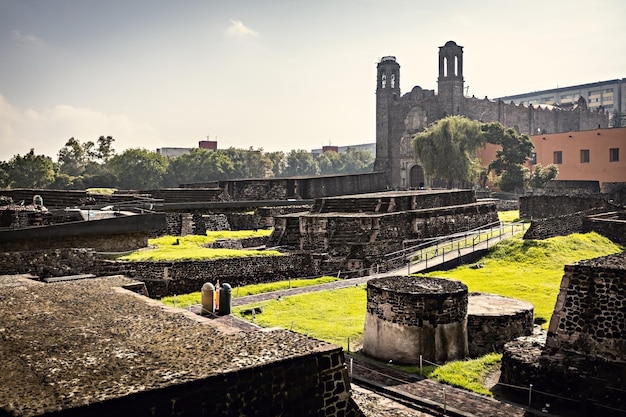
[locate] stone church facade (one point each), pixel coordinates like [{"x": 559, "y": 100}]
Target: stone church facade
[{"x": 399, "y": 117}]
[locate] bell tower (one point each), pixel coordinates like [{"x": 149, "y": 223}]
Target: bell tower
[
  {"x": 450, "y": 81},
  {"x": 387, "y": 95}
]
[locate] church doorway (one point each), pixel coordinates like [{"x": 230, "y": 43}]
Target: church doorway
[{"x": 416, "y": 177}]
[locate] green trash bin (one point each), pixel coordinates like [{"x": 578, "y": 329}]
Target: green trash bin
[{"x": 226, "y": 299}]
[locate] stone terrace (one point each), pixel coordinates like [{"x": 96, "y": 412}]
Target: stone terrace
[{"x": 91, "y": 347}]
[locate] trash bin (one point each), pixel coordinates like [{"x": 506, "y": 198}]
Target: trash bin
[
  {"x": 208, "y": 298},
  {"x": 225, "y": 299}
]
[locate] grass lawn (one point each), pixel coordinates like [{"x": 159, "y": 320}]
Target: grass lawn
[
  {"x": 527, "y": 270},
  {"x": 192, "y": 247},
  {"x": 185, "y": 300}
]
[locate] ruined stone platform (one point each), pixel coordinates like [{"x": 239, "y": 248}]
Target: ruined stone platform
[
  {"x": 91, "y": 347},
  {"x": 493, "y": 320}
]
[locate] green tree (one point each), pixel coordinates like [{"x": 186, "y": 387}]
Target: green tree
[
  {"x": 279, "y": 162},
  {"x": 30, "y": 171},
  {"x": 447, "y": 149},
  {"x": 197, "y": 165},
  {"x": 74, "y": 157},
  {"x": 248, "y": 163},
  {"x": 540, "y": 177},
  {"x": 138, "y": 169},
  {"x": 105, "y": 150},
  {"x": 516, "y": 150},
  {"x": 329, "y": 162},
  {"x": 356, "y": 162},
  {"x": 300, "y": 162}
]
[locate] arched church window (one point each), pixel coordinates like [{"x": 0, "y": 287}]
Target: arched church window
[
  {"x": 384, "y": 81},
  {"x": 393, "y": 80}
]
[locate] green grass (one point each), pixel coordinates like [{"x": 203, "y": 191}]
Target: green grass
[
  {"x": 185, "y": 300},
  {"x": 530, "y": 270},
  {"x": 509, "y": 216},
  {"x": 468, "y": 374},
  {"x": 191, "y": 247},
  {"x": 527, "y": 270},
  {"x": 333, "y": 316}
]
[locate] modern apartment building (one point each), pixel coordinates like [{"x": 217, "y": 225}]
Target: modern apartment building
[{"x": 610, "y": 95}]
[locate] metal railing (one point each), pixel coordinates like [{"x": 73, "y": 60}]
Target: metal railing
[{"x": 458, "y": 243}]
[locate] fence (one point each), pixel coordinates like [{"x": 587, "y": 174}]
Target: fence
[{"x": 460, "y": 244}]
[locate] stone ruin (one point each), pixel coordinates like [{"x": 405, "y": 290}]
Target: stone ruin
[
  {"x": 355, "y": 234},
  {"x": 411, "y": 318},
  {"x": 95, "y": 347},
  {"x": 581, "y": 364}
]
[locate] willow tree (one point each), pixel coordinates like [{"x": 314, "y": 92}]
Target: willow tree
[{"x": 448, "y": 148}]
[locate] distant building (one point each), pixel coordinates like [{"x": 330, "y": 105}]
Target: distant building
[
  {"x": 585, "y": 155},
  {"x": 172, "y": 152},
  {"x": 210, "y": 145},
  {"x": 609, "y": 95},
  {"x": 364, "y": 147}
]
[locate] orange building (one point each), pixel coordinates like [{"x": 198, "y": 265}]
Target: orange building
[{"x": 598, "y": 154}]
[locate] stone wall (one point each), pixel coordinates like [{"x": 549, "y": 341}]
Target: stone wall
[
  {"x": 313, "y": 385},
  {"x": 411, "y": 316},
  {"x": 183, "y": 277},
  {"x": 493, "y": 321},
  {"x": 610, "y": 225},
  {"x": 48, "y": 263},
  {"x": 583, "y": 357},
  {"x": 589, "y": 316},
  {"x": 545, "y": 206},
  {"x": 544, "y": 228}
]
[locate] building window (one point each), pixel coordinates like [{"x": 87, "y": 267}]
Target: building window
[
  {"x": 613, "y": 154},
  {"x": 558, "y": 157},
  {"x": 584, "y": 156}
]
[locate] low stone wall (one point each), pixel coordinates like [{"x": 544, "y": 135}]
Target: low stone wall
[
  {"x": 572, "y": 384},
  {"x": 183, "y": 277},
  {"x": 609, "y": 225},
  {"x": 564, "y": 225},
  {"x": 548, "y": 206},
  {"x": 493, "y": 321},
  {"x": 48, "y": 263}
]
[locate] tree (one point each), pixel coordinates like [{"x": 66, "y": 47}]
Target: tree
[
  {"x": 447, "y": 149},
  {"x": 248, "y": 163},
  {"x": 30, "y": 171},
  {"x": 74, "y": 157},
  {"x": 542, "y": 175},
  {"x": 356, "y": 161},
  {"x": 138, "y": 169},
  {"x": 197, "y": 165},
  {"x": 516, "y": 150},
  {"x": 329, "y": 162},
  {"x": 300, "y": 162},
  {"x": 279, "y": 162}
]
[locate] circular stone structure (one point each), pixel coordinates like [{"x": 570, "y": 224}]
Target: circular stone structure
[
  {"x": 493, "y": 320},
  {"x": 412, "y": 316}
]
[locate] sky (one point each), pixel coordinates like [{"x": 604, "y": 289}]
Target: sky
[{"x": 275, "y": 75}]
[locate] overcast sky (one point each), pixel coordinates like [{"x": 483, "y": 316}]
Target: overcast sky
[{"x": 272, "y": 74}]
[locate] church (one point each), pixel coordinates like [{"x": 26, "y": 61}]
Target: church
[{"x": 399, "y": 117}]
